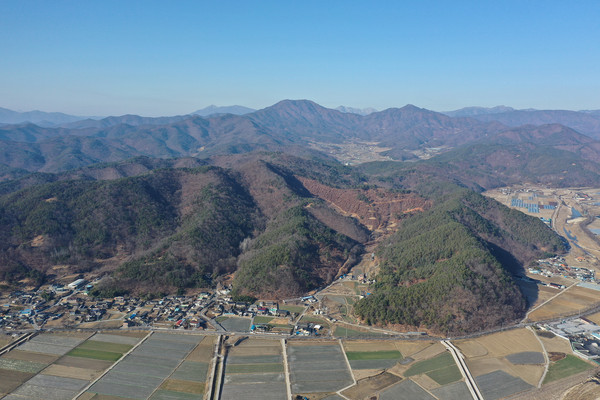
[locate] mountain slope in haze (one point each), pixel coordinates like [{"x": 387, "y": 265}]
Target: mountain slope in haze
[
  {"x": 354, "y": 110},
  {"x": 212, "y": 109},
  {"x": 474, "y": 111},
  {"x": 289, "y": 125},
  {"x": 582, "y": 122},
  {"x": 40, "y": 118}
]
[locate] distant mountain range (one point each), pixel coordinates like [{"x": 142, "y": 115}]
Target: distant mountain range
[
  {"x": 297, "y": 126},
  {"x": 359, "y": 111},
  {"x": 212, "y": 110},
  {"x": 40, "y": 118}
]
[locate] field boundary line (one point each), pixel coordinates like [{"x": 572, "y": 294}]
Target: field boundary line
[
  {"x": 288, "y": 384},
  {"x": 112, "y": 366},
  {"x": 549, "y": 300},
  {"x": 177, "y": 366},
  {"x": 339, "y": 392},
  {"x": 547, "y": 360}
]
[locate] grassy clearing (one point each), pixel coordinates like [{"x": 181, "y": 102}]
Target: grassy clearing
[
  {"x": 373, "y": 355},
  {"x": 316, "y": 320},
  {"x": 570, "y": 365},
  {"x": 95, "y": 354},
  {"x": 446, "y": 375},
  {"x": 443, "y": 360},
  {"x": 104, "y": 346},
  {"x": 293, "y": 309},
  {"x": 221, "y": 318},
  {"x": 253, "y": 368},
  {"x": 262, "y": 320}
]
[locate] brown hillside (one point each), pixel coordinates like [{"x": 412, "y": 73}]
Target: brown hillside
[{"x": 377, "y": 209}]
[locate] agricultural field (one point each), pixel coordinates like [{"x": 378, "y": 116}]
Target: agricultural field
[
  {"x": 235, "y": 324},
  {"x": 342, "y": 331},
  {"x": 374, "y": 356},
  {"x": 317, "y": 367},
  {"x": 25, "y": 371},
  {"x": 504, "y": 363},
  {"x": 567, "y": 366},
  {"x": 41, "y": 368},
  {"x": 163, "y": 366},
  {"x": 569, "y": 302},
  {"x": 254, "y": 369}
]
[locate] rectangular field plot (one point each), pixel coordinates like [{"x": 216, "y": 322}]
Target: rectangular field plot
[
  {"x": 236, "y": 324},
  {"x": 406, "y": 390},
  {"x": 570, "y": 365},
  {"x": 318, "y": 368},
  {"x": 156, "y": 367},
  {"x": 499, "y": 384},
  {"x": 254, "y": 370},
  {"x": 380, "y": 359}
]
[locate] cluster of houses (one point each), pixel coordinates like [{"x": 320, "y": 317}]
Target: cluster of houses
[{"x": 557, "y": 266}]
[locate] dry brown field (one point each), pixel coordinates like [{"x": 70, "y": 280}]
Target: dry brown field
[
  {"x": 368, "y": 386},
  {"x": 105, "y": 324},
  {"x": 428, "y": 352},
  {"x": 408, "y": 349},
  {"x": 257, "y": 351},
  {"x": 177, "y": 385},
  {"x": 486, "y": 354},
  {"x": 203, "y": 351},
  {"x": 569, "y": 302},
  {"x": 72, "y": 372},
  {"x": 31, "y": 356},
  {"x": 10, "y": 380},
  {"x": 504, "y": 343},
  {"x": 595, "y": 318},
  {"x": 557, "y": 344}
]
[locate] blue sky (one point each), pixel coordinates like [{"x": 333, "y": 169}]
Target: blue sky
[{"x": 166, "y": 58}]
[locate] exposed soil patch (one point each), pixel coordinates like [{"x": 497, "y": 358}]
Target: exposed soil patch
[{"x": 377, "y": 209}]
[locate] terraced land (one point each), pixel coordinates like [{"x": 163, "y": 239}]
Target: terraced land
[
  {"x": 254, "y": 369},
  {"x": 164, "y": 366},
  {"x": 317, "y": 367}
]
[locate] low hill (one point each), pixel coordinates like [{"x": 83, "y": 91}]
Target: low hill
[{"x": 448, "y": 269}]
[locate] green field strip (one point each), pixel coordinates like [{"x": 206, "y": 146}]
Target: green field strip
[
  {"x": 221, "y": 318},
  {"x": 105, "y": 346},
  {"x": 94, "y": 354},
  {"x": 373, "y": 355},
  {"x": 252, "y": 368},
  {"x": 446, "y": 375},
  {"x": 443, "y": 360},
  {"x": 262, "y": 320},
  {"x": 21, "y": 366},
  {"x": 570, "y": 365},
  {"x": 293, "y": 309}
]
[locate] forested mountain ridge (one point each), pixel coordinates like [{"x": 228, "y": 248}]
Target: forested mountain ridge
[{"x": 448, "y": 269}]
